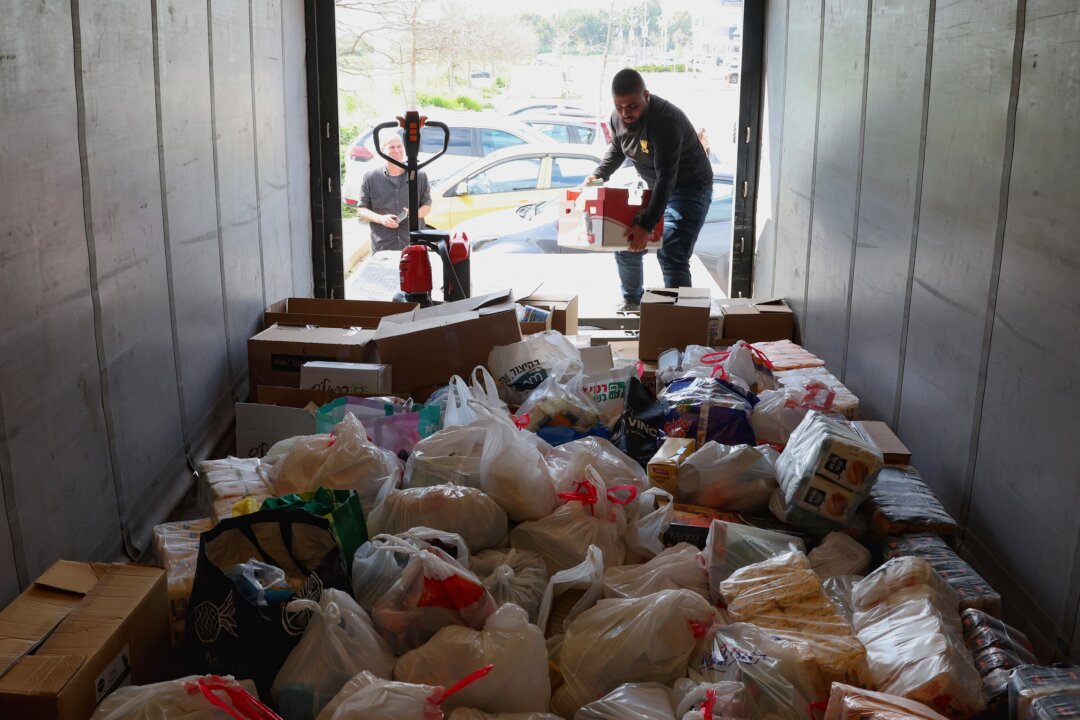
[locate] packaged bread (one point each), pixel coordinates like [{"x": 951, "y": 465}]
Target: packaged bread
[
  {"x": 786, "y": 355},
  {"x": 851, "y": 703},
  {"x": 971, "y": 589},
  {"x": 906, "y": 617},
  {"x": 1030, "y": 683},
  {"x": 901, "y": 503},
  {"x": 217, "y": 481}
]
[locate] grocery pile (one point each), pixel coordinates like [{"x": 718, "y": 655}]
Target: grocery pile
[{"x": 552, "y": 539}]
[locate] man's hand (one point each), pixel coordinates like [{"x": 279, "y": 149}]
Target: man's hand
[
  {"x": 592, "y": 180},
  {"x": 389, "y": 221},
  {"x": 637, "y": 236}
]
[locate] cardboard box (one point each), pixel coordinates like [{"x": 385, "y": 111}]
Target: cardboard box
[
  {"x": 76, "y": 634},
  {"x": 597, "y": 359},
  {"x": 756, "y": 320},
  {"x": 881, "y": 435},
  {"x": 276, "y": 355},
  {"x": 427, "y": 346},
  {"x": 533, "y": 327},
  {"x": 328, "y": 312},
  {"x": 673, "y": 318},
  {"x": 625, "y": 352},
  {"x": 564, "y": 310},
  {"x": 259, "y": 426},
  {"x": 691, "y": 524},
  {"x": 598, "y": 218},
  {"x": 663, "y": 468},
  {"x": 346, "y": 378}
]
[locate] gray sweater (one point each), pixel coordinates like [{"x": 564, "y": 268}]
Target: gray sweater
[{"x": 665, "y": 151}]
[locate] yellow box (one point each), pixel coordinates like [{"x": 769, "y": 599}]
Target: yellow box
[{"x": 664, "y": 466}]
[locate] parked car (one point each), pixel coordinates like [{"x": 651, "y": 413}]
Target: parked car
[
  {"x": 505, "y": 179},
  {"x": 472, "y": 135},
  {"x": 533, "y": 227},
  {"x": 570, "y": 129},
  {"x": 544, "y": 106}
]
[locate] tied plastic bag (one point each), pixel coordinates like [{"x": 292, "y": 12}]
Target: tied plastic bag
[
  {"x": 640, "y": 430},
  {"x": 735, "y": 478},
  {"x": 378, "y": 563},
  {"x": 649, "y": 516},
  {"x": 473, "y": 714},
  {"x": 852, "y": 703},
  {"x": 632, "y": 701},
  {"x": 519, "y": 681},
  {"x": 344, "y": 461},
  {"x": 777, "y": 679},
  {"x": 197, "y": 697},
  {"x": 514, "y": 576},
  {"x": 645, "y": 639},
  {"x": 462, "y": 510},
  {"x": 522, "y": 366},
  {"x": 592, "y": 515},
  {"x": 432, "y": 592},
  {"x": 709, "y": 701},
  {"x": 461, "y": 398},
  {"x": 367, "y": 697},
  {"x": 608, "y": 389},
  {"x": 513, "y": 471},
  {"x": 571, "y": 592},
  {"x": 676, "y": 568},
  {"x": 450, "y": 456},
  {"x": 781, "y": 410},
  {"x": 730, "y": 546},
  {"x": 569, "y": 460},
  {"x": 906, "y": 617},
  {"x": 709, "y": 409},
  {"x": 839, "y": 554},
  {"x": 742, "y": 361},
  {"x": 560, "y": 401},
  {"x": 339, "y": 642}
]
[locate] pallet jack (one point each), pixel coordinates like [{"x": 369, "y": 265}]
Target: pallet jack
[{"x": 453, "y": 250}]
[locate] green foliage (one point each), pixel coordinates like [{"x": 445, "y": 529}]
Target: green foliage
[
  {"x": 349, "y": 102},
  {"x": 396, "y": 89},
  {"x": 677, "y": 67},
  {"x": 500, "y": 82},
  {"x": 461, "y": 102},
  {"x": 467, "y": 103},
  {"x": 348, "y": 212},
  {"x": 346, "y": 134}
]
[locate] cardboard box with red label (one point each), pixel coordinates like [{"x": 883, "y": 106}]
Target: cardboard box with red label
[{"x": 598, "y": 218}]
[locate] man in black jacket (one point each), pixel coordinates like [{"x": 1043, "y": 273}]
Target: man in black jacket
[{"x": 664, "y": 147}]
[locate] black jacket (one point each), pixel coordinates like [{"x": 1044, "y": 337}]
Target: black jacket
[{"x": 666, "y": 152}]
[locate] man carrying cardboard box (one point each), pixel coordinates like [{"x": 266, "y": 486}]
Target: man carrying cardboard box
[{"x": 663, "y": 145}]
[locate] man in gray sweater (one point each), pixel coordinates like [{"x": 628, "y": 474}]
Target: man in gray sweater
[{"x": 664, "y": 147}]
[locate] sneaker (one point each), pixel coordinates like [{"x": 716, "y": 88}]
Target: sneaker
[{"x": 629, "y": 307}]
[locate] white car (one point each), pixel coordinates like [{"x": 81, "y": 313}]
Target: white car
[
  {"x": 571, "y": 129},
  {"x": 472, "y": 135}
]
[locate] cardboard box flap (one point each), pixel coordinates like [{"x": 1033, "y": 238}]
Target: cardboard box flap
[
  {"x": 42, "y": 675},
  {"x": 393, "y": 329},
  {"x": 492, "y": 302},
  {"x": 772, "y": 305},
  {"x": 68, "y": 576},
  {"x": 314, "y": 335},
  {"x": 686, "y": 297}
]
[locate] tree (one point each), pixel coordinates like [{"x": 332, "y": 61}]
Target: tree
[{"x": 680, "y": 30}]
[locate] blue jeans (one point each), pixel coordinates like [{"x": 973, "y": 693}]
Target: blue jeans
[{"x": 683, "y": 218}]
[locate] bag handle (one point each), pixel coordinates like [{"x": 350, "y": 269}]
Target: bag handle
[
  {"x": 466, "y": 682},
  {"x": 590, "y": 497},
  {"x": 244, "y": 705},
  {"x": 709, "y": 705}
]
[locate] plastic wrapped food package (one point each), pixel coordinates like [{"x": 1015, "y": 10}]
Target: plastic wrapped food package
[
  {"x": 708, "y": 409},
  {"x": 786, "y": 355},
  {"x": 569, "y": 460},
  {"x": 432, "y": 592},
  {"x": 844, "y": 401},
  {"x": 640, "y": 430},
  {"x": 640, "y": 640},
  {"x": 451, "y": 455},
  {"x": 176, "y": 548},
  {"x": 632, "y": 701},
  {"x": 225, "y": 508},
  {"x": 839, "y": 589},
  {"x": 906, "y": 617},
  {"x": 777, "y": 673},
  {"x": 997, "y": 648},
  {"x": 519, "y": 681},
  {"x": 973, "y": 591},
  {"x": 229, "y": 477},
  {"x": 782, "y": 594},
  {"x": 901, "y": 503},
  {"x": 780, "y": 411},
  {"x": 825, "y": 472},
  {"x": 1030, "y": 683},
  {"x": 571, "y": 592},
  {"x": 344, "y": 461},
  {"x": 338, "y": 642},
  {"x": 852, "y": 703},
  {"x": 731, "y": 546},
  {"x": 473, "y": 714},
  {"x": 735, "y": 478},
  {"x": 463, "y": 510},
  {"x": 592, "y": 515},
  {"x": 513, "y": 470},
  {"x": 515, "y": 576},
  {"x": 1055, "y": 707},
  {"x": 196, "y": 697},
  {"x": 561, "y": 401},
  {"x": 839, "y": 554},
  {"x": 676, "y": 568}
]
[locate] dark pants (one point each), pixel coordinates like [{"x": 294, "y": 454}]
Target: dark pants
[{"x": 683, "y": 218}]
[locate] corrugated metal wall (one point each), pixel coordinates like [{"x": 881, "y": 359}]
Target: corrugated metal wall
[
  {"x": 153, "y": 196},
  {"x": 919, "y": 209}
]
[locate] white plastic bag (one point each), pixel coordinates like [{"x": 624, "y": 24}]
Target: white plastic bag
[
  {"x": 461, "y": 398},
  {"x": 646, "y": 639},
  {"x": 583, "y": 583},
  {"x": 514, "y": 576},
  {"x": 839, "y": 554},
  {"x": 513, "y": 470},
  {"x": 592, "y": 515},
  {"x": 519, "y": 681},
  {"x": 709, "y": 701},
  {"x": 608, "y": 390},
  {"x": 344, "y": 461},
  {"x": 449, "y": 456},
  {"x": 197, "y": 697},
  {"x": 367, "y": 697},
  {"x": 432, "y": 592},
  {"x": 520, "y": 367},
  {"x": 569, "y": 460},
  {"x": 560, "y": 400},
  {"x": 730, "y": 546},
  {"x": 473, "y": 714},
  {"x": 649, "y": 516},
  {"x": 781, "y": 410},
  {"x": 734, "y": 478},
  {"x": 339, "y": 642},
  {"x": 632, "y": 701},
  {"x": 378, "y": 563},
  {"x": 462, "y": 510},
  {"x": 676, "y": 568}
]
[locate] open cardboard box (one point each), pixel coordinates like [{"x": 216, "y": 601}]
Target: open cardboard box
[
  {"x": 329, "y": 312},
  {"x": 754, "y": 320},
  {"x": 672, "y": 318},
  {"x": 425, "y": 347},
  {"x": 564, "y": 310},
  {"x": 276, "y": 355},
  {"x": 76, "y": 634}
]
